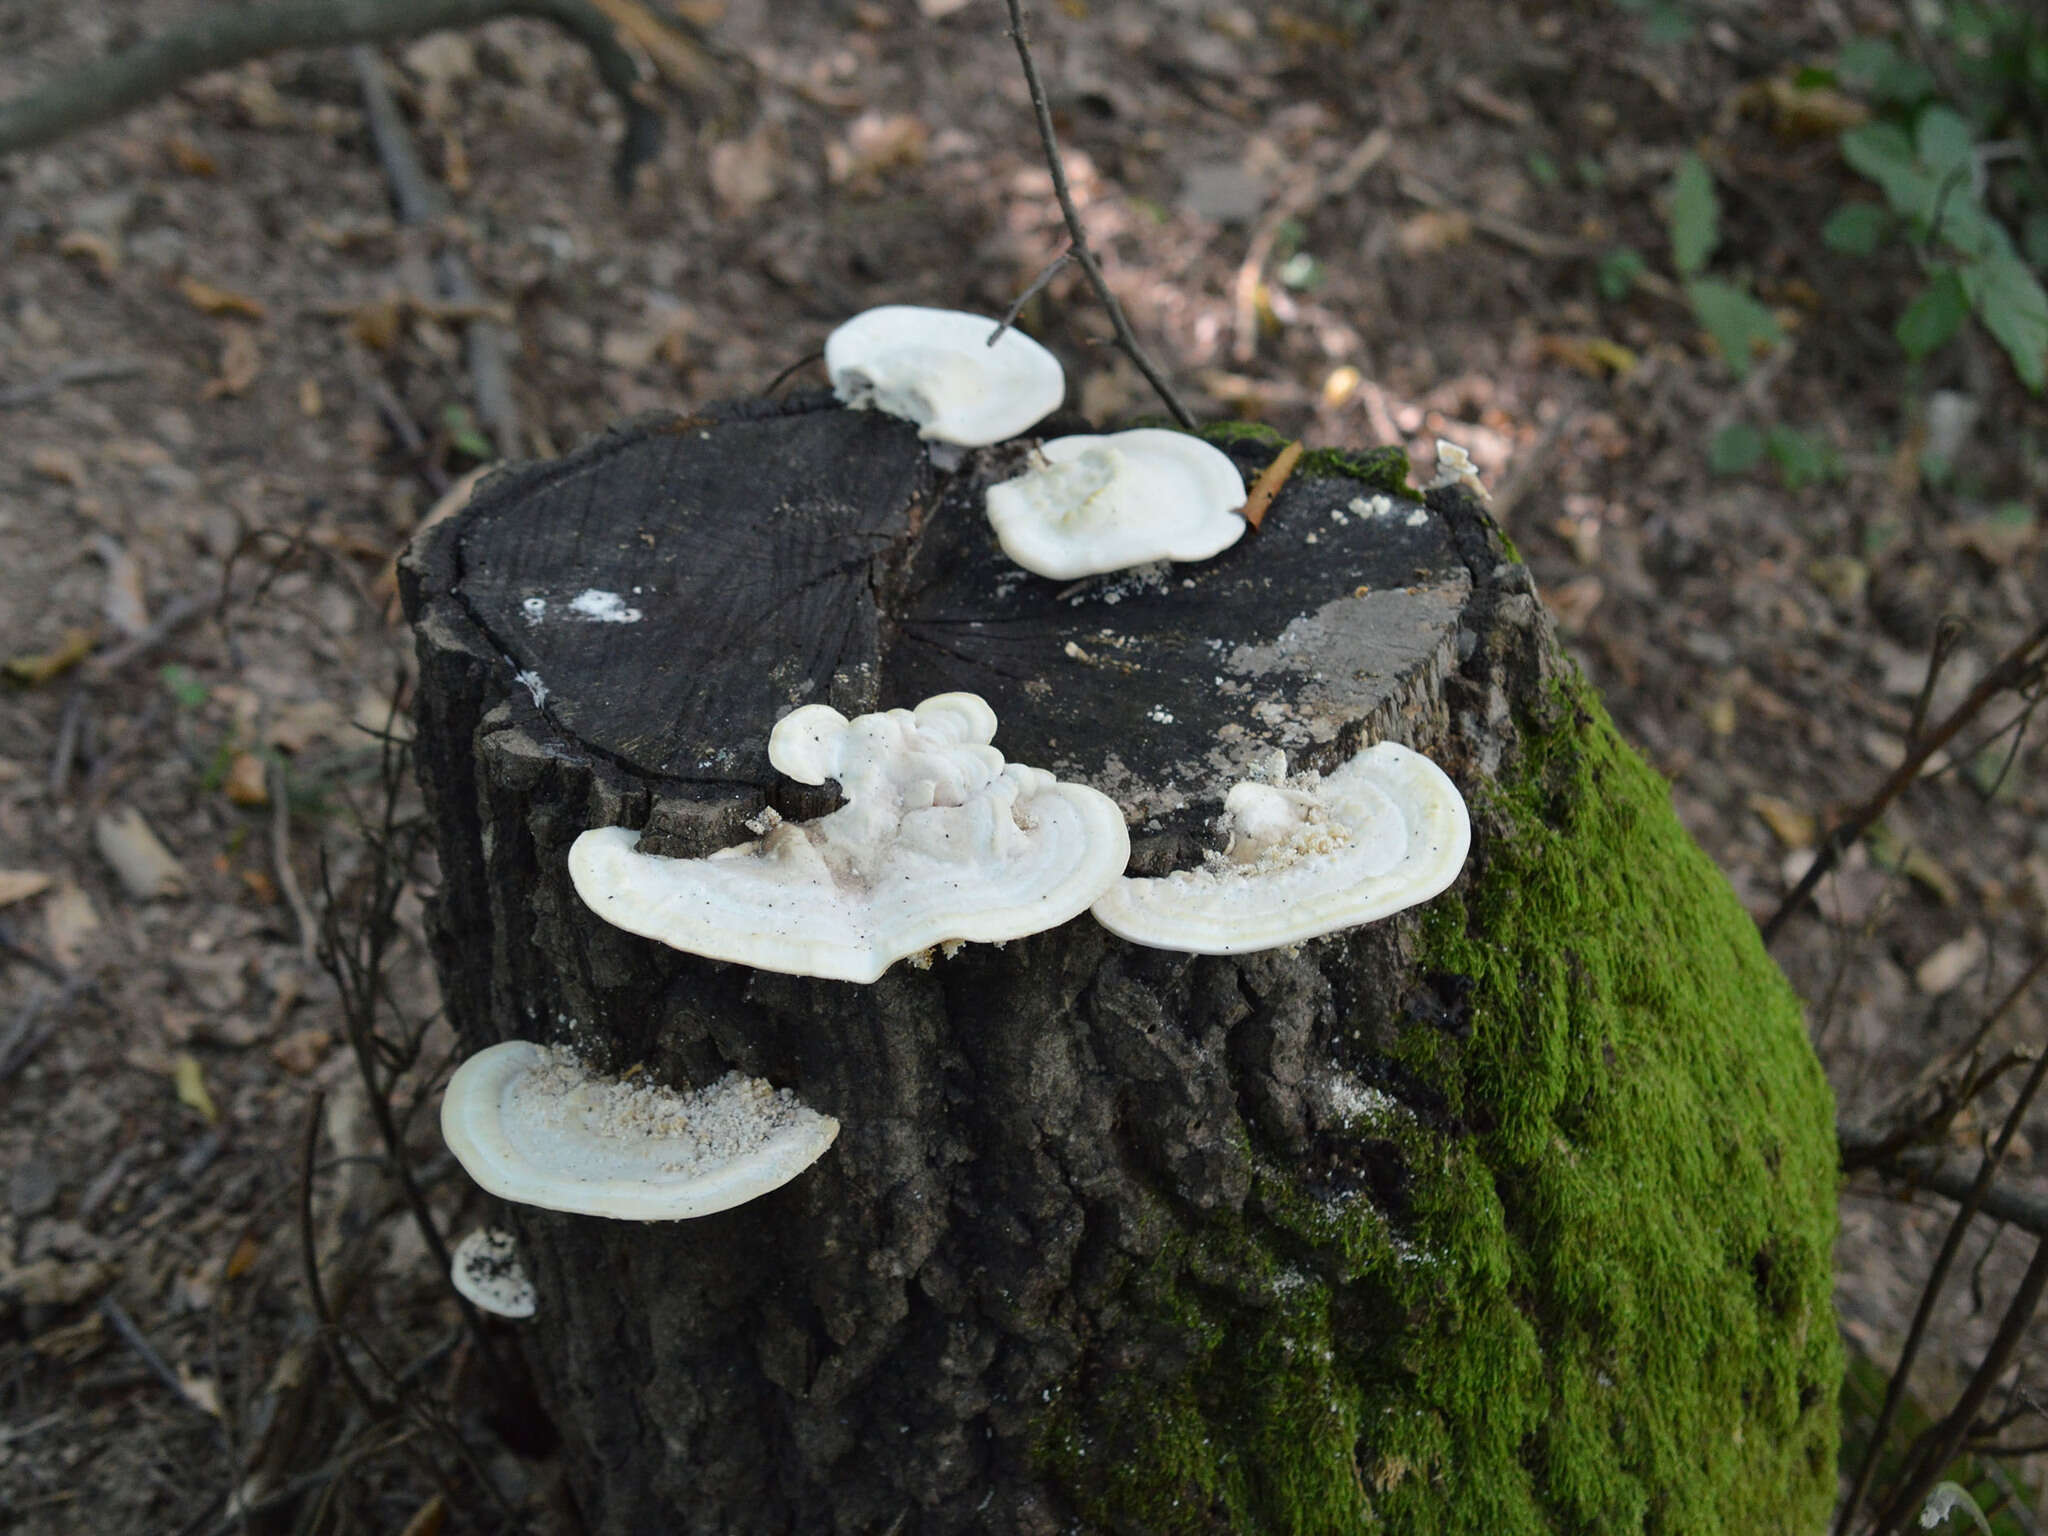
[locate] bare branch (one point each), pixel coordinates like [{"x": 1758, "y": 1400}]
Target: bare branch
[
  {"x": 1077, "y": 232},
  {"x": 230, "y": 35},
  {"x": 2017, "y": 669}
]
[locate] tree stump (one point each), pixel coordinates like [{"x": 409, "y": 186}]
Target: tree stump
[{"x": 1510, "y": 1214}]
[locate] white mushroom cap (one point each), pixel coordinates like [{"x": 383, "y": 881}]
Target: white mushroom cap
[
  {"x": 486, "y": 1269},
  {"x": 533, "y": 1125},
  {"x": 936, "y": 368},
  {"x": 1095, "y": 504},
  {"x": 1385, "y": 831},
  {"x": 939, "y": 840}
]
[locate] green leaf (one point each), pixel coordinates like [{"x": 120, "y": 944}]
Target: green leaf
[
  {"x": 2008, "y": 300},
  {"x": 1873, "y": 65},
  {"x": 1801, "y": 460},
  {"x": 1695, "y": 216},
  {"x": 184, "y": 687},
  {"x": 1617, "y": 272},
  {"x": 1882, "y": 152},
  {"x": 2035, "y": 241},
  {"x": 1735, "y": 320},
  {"x": 1943, "y": 142},
  {"x": 1735, "y": 450},
  {"x": 463, "y": 434},
  {"x": 1932, "y": 318},
  {"x": 1856, "y": 229}
]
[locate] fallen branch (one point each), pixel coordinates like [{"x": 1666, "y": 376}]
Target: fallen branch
[
  {"x": 1077, "y": 232},
  {"x": 485, "y": 342},
  {"x": 230, "y": 35},
  {"x": 2017, "y": 669},
  {"x": 1271, "y": 479},
  {"x": 86, "y": 371},
  {"x": 1925, "y": 1168}
]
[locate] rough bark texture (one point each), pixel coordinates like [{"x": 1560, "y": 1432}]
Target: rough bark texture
[{"x": 1510, "y": 1215}]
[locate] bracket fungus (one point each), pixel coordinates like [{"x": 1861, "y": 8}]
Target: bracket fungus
[
  {"x": 534, "y": 1126},
  {"x": 1385, "y": 831},
  {"x": 935, "y": 367},
  {"x": 939, "y": 840},
  {"x": 1092, "y": 504},
  {"x": 485, "y": 1269}
]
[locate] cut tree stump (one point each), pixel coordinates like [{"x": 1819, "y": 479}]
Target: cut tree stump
[{"x": 1510, "y": 1214}]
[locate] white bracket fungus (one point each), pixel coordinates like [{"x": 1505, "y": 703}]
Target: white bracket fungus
[
  {"x": 939, "y": 840},
  {"x": 485, "y": 1268},
  {"x": 533, "y": 1125},
  {"x": 1385, "y": 831},
  {"x": 936, "y": 368},
  {"x": 1094, "y": 504}
]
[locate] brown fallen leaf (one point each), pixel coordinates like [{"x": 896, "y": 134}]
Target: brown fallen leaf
[
  {"x": 876, "y": 144},
  {"x": 147, "y": 869},
  {"x": 20, "y": 884},
  {"x": 680, "y": 61},
  {"x": 209, "y": 300},
  {"x": 311, "y": 401},
  {"x": 240, "y": 362},
  {"x": 1594, "y": 356},
  {"x": 428, "y": 1521},
  {"x": 1945, "y": 969},
  {"x": 97, "y": 249},
  {"x": 189, "y": 156},
  {"x": 248, "y": 1248},
  {"x": 301, "y": 1051},
  {"x": 1798, "y": 113},
  {"x": 745, "y": 173},
  {"x": 122, "y": 600},
  {"x": 1432, "y": 230},
  {"x": 58, "y": 464},
  {"x": 69, "y": 922},
  {"x": 1259, "y": 499},
  {"x": 41, "y": 666},
  {"x": 247, "y": 781},
  {"x": 1792, "y": 826}
]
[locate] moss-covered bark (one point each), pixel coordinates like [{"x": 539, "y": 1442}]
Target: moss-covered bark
[
  {"x": 1508, "y": 1215},
  {"x": 1601, "y": 1299}
]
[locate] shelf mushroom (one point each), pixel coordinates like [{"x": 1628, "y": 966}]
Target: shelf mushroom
[
  {"x": 1385, "y": 831},
  {"x": 935, "y": 367},
  {"x": 939, "y": 841},
  {"x": 1093, "y": 504},
  {"x": 485, "y": 1269},
  {"x": 534, "y": 1126}
]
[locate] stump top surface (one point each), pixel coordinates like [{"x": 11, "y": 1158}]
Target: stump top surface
[{"x": 671, "y": 591}]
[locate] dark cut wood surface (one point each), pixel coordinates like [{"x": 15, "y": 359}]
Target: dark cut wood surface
[{"x": 781, "y": 555}]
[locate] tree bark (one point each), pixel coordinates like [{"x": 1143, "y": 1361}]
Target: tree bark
[{"x": 1383, "y": 1231}]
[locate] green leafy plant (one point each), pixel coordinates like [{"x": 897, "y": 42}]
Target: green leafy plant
[
  {"x": 1725, "y": 310},
  {"x": 1935, "y": 161}
]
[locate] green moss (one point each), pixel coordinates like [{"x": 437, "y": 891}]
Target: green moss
[
  {"x": 1608, "y": 1305},
  {"x": 1382, "y": 469}
]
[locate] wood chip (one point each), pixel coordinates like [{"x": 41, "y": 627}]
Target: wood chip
[
  {"x": 1259, "y": 499},
  {"x": 1793, "y": 827},
  {"x": 97, "y": 249},
  {"x": 59, "y": 464},
  {"x": 147, "y": 868},
  {"x": 240, "y": 363},
  {"x": 209, "y": 300},
  {"x": 20, "y": 884},
  {"x": 190, "y": 157}
]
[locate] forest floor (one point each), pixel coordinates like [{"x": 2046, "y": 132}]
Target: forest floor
[{"x": 258, "y": 392}]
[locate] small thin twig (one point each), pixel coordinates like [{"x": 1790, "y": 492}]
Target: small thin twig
[
  {"x": 85, "y": 371},
  {"x": 309, "y": 1260},
  {"x": 281, "y": 862},
  {"x": 1053, "y": 269},
  {"x": 176, "y": 614},
  {"x": 144, "y": 1351},
  {"x": 2015, "y": 670},
  {"x": 1077, "y": 232}
]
